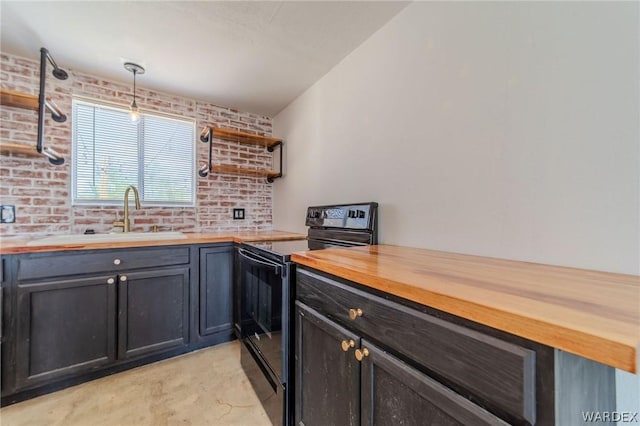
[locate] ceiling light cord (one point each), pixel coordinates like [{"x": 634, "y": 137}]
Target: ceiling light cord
[{"x": 135, "y": 116}]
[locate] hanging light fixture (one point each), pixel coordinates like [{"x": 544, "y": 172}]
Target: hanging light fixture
[{"x": 135, "y": 69}]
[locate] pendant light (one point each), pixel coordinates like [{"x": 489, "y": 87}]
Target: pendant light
[{"x": 135, "y": 69}]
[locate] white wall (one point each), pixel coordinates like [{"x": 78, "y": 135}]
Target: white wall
[{"x": 499, "y": 129}]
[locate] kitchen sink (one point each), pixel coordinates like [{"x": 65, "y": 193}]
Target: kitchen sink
[{"x": 107, "y": 238}]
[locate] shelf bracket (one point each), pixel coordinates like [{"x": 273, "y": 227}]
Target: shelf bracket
[
  {"x": 206, "y": 136},
  {"x": 54, "y": 157},
  {"x": 270, "y": 149}
]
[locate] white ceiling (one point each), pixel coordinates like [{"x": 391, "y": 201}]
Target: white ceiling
[{"x": 252, "y": 56}]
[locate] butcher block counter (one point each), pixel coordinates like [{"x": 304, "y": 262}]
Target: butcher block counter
[
  {"x": 595, "y": 315},
  {"x": 17, "y": 246}
]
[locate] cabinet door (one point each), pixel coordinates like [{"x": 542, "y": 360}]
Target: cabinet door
[
  {"x": 327, "y": 377},
  {"x": 396, "y": 393},
  {"x": 153, "y": 311},
  {"x": 216, "y": 283},
  {"x": 64, "y": 327}
]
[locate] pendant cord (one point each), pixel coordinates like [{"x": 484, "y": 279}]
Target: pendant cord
[{"x": 134, "y": 87}]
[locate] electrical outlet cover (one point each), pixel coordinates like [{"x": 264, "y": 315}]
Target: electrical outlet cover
[
  {"x": 7, "y": 214},
  {"x": 238, "y": 214}
]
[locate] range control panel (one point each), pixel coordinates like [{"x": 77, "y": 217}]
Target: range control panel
[{"x": 347, "y": 216}]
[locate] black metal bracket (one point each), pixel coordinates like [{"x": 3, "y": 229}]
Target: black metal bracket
[
  {"x": 54, "y": 157},
  {"x": 270, "y": 149},
  {"x": 206, "y": 136}
]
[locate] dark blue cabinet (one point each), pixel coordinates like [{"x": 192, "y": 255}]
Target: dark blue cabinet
[
  {"x": 215, "y": 290},
  {"x": 365, "y": 358},
  {"x": 71, "y": 316},
  {"x": 65, "y": 327},
  {"x": 153, "y": 311}
]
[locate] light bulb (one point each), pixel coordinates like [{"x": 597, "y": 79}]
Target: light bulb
[{"x": 133, "y": 113}]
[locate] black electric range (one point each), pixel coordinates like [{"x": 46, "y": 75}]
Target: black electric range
[{"x": 266, "y": 295}]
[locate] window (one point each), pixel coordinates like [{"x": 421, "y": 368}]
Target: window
[{"x": 157, "y": 155}]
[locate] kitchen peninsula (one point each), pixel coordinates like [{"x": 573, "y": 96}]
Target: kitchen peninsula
[{"x": 554, "y": 334}]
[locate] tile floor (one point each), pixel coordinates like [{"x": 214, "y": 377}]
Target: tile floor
[{"x": 207, "y": 387}]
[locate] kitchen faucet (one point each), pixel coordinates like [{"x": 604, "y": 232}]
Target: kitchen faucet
[{"x": 124, "y": 223}]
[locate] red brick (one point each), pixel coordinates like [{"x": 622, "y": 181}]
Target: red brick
[
  {"x": 87, "y": 221},
  {"x": 139, "y": 221},
  {"x": 29, "y": 229},
  {"x": 48, "y": 202},
  {"x": 15, "y": 70},
  {"x": 49, "y": 219},
  {"x": 33, "y": 192},
  {"x": 17, "y": 172},
  {"x": 41, "y": 190},
  {"x": 17, "y": 183},
  {"x": 61, "y": 210}
]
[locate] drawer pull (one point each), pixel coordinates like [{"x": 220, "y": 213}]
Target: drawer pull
[
  {"x": 355, "y": 313},
  {"x": 347, "y": 344},
  {"x": 360, "y": 354},
  {"x": 123, "y": 278},
  {"x": 116, "y": 261},
  {"x": 111, "y": 281}
]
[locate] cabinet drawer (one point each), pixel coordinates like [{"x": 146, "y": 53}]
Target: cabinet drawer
[
  {"x": 488, "y": 370},
  {"x": 47, "y": 265}
]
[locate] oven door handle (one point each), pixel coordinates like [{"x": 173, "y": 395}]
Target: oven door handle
[{"x": 259, "y": 261}]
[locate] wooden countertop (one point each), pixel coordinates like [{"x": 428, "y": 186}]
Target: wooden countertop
[
  {"x": 16, "y": 246},
  {"x": 592, "y": 314}
]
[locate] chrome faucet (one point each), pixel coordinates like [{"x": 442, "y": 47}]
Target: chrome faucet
[{"x": 124, "y": 223}]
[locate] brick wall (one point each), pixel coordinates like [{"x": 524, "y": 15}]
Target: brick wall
[{"x": 41, "y": 192}]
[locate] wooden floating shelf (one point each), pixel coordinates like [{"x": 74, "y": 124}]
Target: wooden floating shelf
[
  {"x": 236, "y": 170},
  {"x": 14, "y": 99},
  {"x": 18, "y": 148},
  {"x": 232, "y": 135},
  {"x": 209, "y": 133},
  {"x": 19, "y": 100}
]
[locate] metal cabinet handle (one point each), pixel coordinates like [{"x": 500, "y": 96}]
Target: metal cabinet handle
[
  {"x": 111, "y": 281},
  {"x": 355, "y": 313},
  {"x": 123, "y": 278},
  {"x": 360, "y": 354},
  {"x": 116, "y": 261},
  {"x": 347, "y": 344}
]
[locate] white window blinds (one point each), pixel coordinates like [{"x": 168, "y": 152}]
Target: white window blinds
[{"x": 110, "y": 153}]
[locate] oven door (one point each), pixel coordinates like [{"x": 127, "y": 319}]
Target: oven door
[{"x": 261, "y": 309}]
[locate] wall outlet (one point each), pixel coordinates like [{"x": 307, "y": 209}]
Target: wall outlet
[
  {"x": 238, "y": 214},
  {"x": 7, "y": 213}
]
